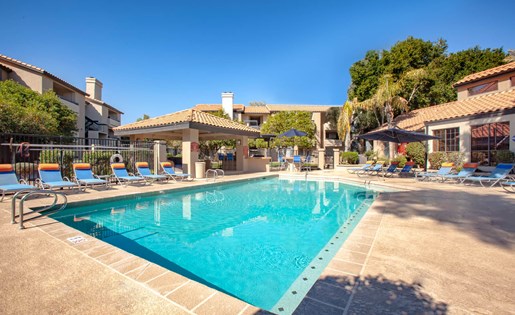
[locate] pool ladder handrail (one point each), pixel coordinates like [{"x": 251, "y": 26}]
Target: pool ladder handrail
[
  {"x": 216, "y": 173},
  {"x": 29, "y": 193}
]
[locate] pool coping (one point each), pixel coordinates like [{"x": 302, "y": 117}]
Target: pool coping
[{"x": 194, "y": 297}]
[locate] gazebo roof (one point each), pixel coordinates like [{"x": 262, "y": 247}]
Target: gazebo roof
[{"x": 171, "y": 125}]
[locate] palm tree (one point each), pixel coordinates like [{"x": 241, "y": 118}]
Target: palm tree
[{"x": 345, "y": 122}]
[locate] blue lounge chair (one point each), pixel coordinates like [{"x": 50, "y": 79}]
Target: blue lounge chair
[
  {"x": 297, "y": 161},
  {"x": 84, "y": 176},
  {"x": 123, "y": 177},
  {"x": 407, "y": 169},
  {"x": 374, "y": 170},
  {"x": 467, "y": 170},
  {"x": 169, "y": 171},
  {"x": 445, "y": 169},
  {"x": 365, "y": 167},
  {"x": 392, "y": 169},
  {"x": 50, "y": 177},
  {"x": 144, "y": 171},
  {"x": 9, "y": 182},
  {"x": 500, "y": 172},
  {"x": 509, "y": 186}
]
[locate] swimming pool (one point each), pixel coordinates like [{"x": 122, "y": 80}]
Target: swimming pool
[{"x": 250, "y": 239}]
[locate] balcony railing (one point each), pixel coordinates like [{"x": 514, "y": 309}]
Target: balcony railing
[
  {"x": 71, "y": 105},
  {"x": 333, "y": 143},
  {"x": 113, "y": 122}
]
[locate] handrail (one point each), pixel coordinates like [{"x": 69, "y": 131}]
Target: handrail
[
  {"x": 33, "y": 193},
  {"x": 215, "y": 174}
]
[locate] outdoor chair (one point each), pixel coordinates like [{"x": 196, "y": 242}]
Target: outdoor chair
[
  {"x": 297, "y": 161},
  {"x": 467, "y": 170},
  {"x": 365, "y": 167},
  {"x": 500, "y": 172},
  {"x": 9, "y": 182},
  {"x": 84, "y": 176},
  {"x": 124, "y": 177},
  {"x": 50, "y": 177},
  {"x": 392, "y": 169},
  {"x": 144, "y": 171},
  {"x": 509, "y": 186},
  {"x": 374, "y": 170},
  {"x": 407, "y": 169},
  {"x": 170, "y": 172},
  {"x": 445, "y": 169}
]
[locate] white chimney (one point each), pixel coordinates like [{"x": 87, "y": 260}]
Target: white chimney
[
  {"x": 94, "y": 88},
  {"x": 227, "y": 103}
]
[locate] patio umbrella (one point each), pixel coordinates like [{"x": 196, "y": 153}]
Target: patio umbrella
[
  {"x": 292, "y": 133},
  {"x": 397, "y": 135}
]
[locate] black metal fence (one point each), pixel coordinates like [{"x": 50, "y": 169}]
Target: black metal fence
[{"x": 26, "y": 152}]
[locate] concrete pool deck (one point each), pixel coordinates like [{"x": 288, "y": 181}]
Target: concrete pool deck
[{"x": 432, "y": 248}]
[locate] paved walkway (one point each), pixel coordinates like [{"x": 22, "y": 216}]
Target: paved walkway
[{"x": 433, "y": 248}]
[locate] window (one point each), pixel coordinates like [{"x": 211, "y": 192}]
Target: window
[
  {"x": 483, "y": 88},
  {"x": 330, "y": 134},
  {"x": 487, "y": 140},
  {"x": 449, "y": 140}
]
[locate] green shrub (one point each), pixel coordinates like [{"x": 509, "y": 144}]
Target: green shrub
[
  {"x": 349, "y": 157},
  {"x": 504, "y": 156},
  {"x": 436, "y": 159},
  {"x": 99, "y": 160},
  {"x": 371, "y": 155},
  {"x": 416, "y": 151},
  {"x": 401, "y": 159}
]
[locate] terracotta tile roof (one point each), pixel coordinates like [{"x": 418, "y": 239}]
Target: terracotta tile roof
[
  {"x": 216, "y": 107},
  {"x": 485, "y": 74},
  {"x": 25, "y": 65},
  {"x": 300, "y": 107},
  {"x": 188, "y": 115},
  {"x": 480, "y": 104},
  {"x": 256, "y": 110}
]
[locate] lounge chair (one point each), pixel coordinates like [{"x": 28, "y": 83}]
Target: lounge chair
[
  {"x": 374, "y": 170},
  {"x": 392, "y": 169},
  {"x": 445, "y": 169},
  {"x": 509, "y": 186},
  {"x": 123, "y": 177},
  {"x": 9, "y": 182},
  {"x": 467, "y": 170},
  {"x": 84, "y": 176},
  {"x": 50, "y": 177},
  {"x": 365, "y": 167},
  {"x": 500, "y": 172},
  {"x": 144, "y": 170},
  {"x": 169, "y": 171},
  {"x": 407, "y": 169},
  {"x": 297, "y": 161}
]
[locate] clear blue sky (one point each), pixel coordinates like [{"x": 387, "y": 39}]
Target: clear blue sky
[{"x": 160, "y": 57}]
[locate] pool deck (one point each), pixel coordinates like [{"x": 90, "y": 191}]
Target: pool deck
[{"x": 430, "y": 248}]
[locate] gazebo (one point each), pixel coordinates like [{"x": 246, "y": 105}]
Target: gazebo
[{"x": 190, "y": 126}]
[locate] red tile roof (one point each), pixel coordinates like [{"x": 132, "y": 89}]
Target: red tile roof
[
  {"x": 487, "y": 73},
  {"x": 481, "y": 104},
  {"x": 188, "y": 115}
]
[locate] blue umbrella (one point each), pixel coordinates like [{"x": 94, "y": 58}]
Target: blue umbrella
[
  {"x": 513, "y": 138},
  {"x": 292, "y": 133},
  {"x": 397, "y": 135}
]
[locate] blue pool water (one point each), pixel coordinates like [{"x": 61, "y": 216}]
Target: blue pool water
[{"x": 249, "y": 239}]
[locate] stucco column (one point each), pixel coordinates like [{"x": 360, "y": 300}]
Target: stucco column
[
  {"x": 159, "y": 154},
  {"x": 321, "y": 159},
  {"x": 319, "y": 118},
  {"x": 336, "y": 157},
  {"x": 189, "y": 144},
  {"x": 241, "y": 160}
]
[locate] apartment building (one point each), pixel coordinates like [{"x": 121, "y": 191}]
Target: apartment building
[
  {"x": 255, "y": 116},
  {"x": 95, "y": 118}
]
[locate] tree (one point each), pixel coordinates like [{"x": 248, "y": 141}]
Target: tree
[
  {"x": 257, "y": 103},
  {"x": 23, "y": 110},
  {"x": 345, "y": 123},
  {"x": 418, "y": 71},
  {"x": 145, "y": 117},
  {"x": 284, "y": 121}
]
